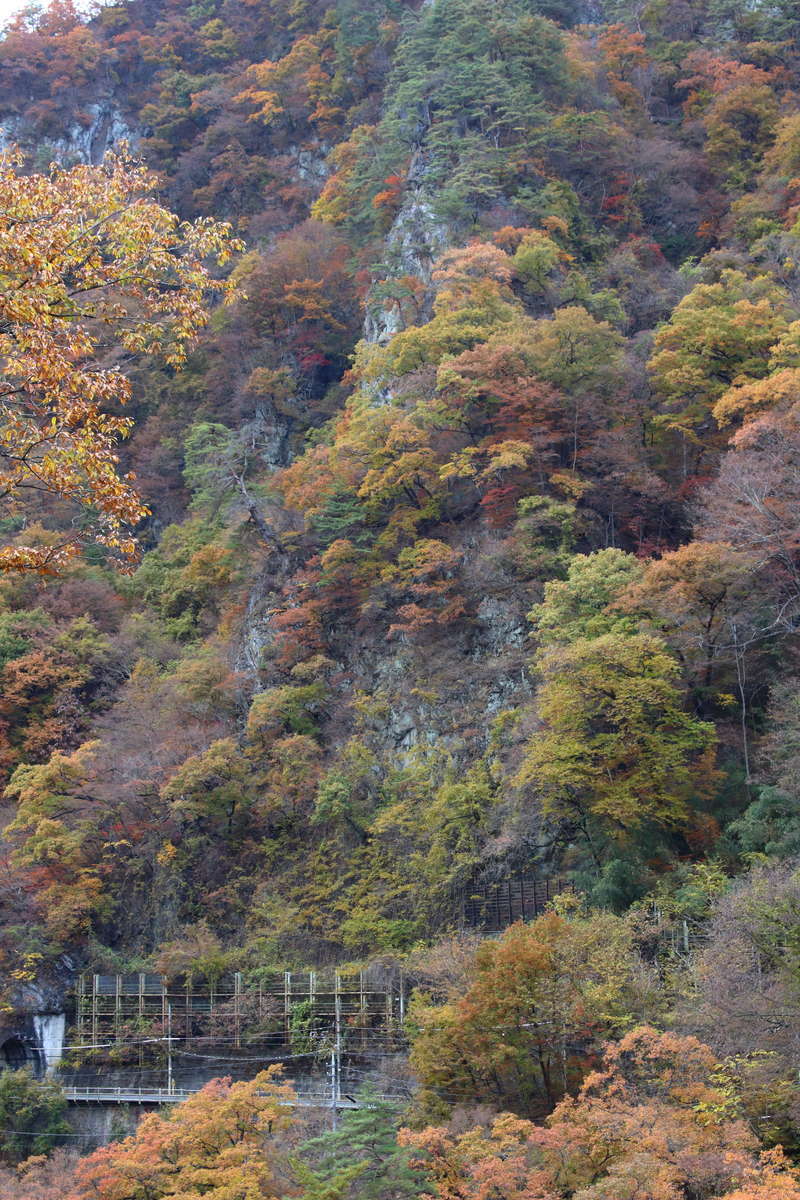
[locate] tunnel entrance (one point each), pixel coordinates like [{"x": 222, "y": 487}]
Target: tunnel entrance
[{"x": 14, "y": 1054}]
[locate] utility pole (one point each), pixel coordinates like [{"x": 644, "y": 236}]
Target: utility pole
[
  {"x": 337, "y": 1043},
  {"x": 334, "y": 1089},
  {"x": 336, "y": 1051},
  {"x": 170, "y": 1082}
]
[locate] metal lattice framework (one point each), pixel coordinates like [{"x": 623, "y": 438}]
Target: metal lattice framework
[
  {"x": 283, "y": 1008},
  {"x": 492, "y": 907}
]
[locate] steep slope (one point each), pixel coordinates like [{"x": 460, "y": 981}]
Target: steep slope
[{"x": 517, "y": 332}]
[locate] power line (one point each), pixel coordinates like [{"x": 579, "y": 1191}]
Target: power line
[
  {"x": 217, "y": 1041},
  {"x": 44, "y": 1133},
  {"x": 256, "y": 1058}
]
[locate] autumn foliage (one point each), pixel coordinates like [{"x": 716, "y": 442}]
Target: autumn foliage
[
  {"x": 648, "y": 1123},
  {"x": 87, "y": 255},
  {"x": 432, "y": 371}
]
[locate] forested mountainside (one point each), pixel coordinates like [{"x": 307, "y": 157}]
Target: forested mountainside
[{"x": 467, "y": 550}]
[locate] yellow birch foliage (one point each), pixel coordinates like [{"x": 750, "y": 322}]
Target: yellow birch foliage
[{"x": 92, "y": 270}]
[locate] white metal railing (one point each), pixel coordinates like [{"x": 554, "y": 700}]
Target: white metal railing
[{"x": 123, "y": 1095}]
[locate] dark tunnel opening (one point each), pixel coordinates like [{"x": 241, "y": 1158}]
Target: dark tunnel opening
[{"x": 14, "y": 1054}]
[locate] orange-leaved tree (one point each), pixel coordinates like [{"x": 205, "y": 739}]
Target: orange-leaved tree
[
  {"x": 92, "y": 270},
  {"x": 653, "y": 1123},
  {"x": 224, "y": 1141},
  {"x": 539, "y": 1001}
]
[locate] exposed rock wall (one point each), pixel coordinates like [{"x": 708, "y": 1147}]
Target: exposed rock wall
[
  {"x": 417, "y": 237},
  {"x": 105, "y": 129}
]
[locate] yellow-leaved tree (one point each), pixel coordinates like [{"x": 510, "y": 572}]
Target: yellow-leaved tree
[
  {"x": 226, "y": 1142},
  {"x": 93, "y": 271}
]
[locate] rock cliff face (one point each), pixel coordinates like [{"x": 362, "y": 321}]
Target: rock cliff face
[
  {"x": 33, "y": 1035},
  {"x": 417, "y": 237},
  {"x": 34, "y": 1022},
  {"x": 104, "y": 128},
  {"x": 107, "y": 130},
  {"x": 436, "y": 693}
]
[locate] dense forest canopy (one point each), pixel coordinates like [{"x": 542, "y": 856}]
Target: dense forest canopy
[{"x": 433, "y": 372}]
